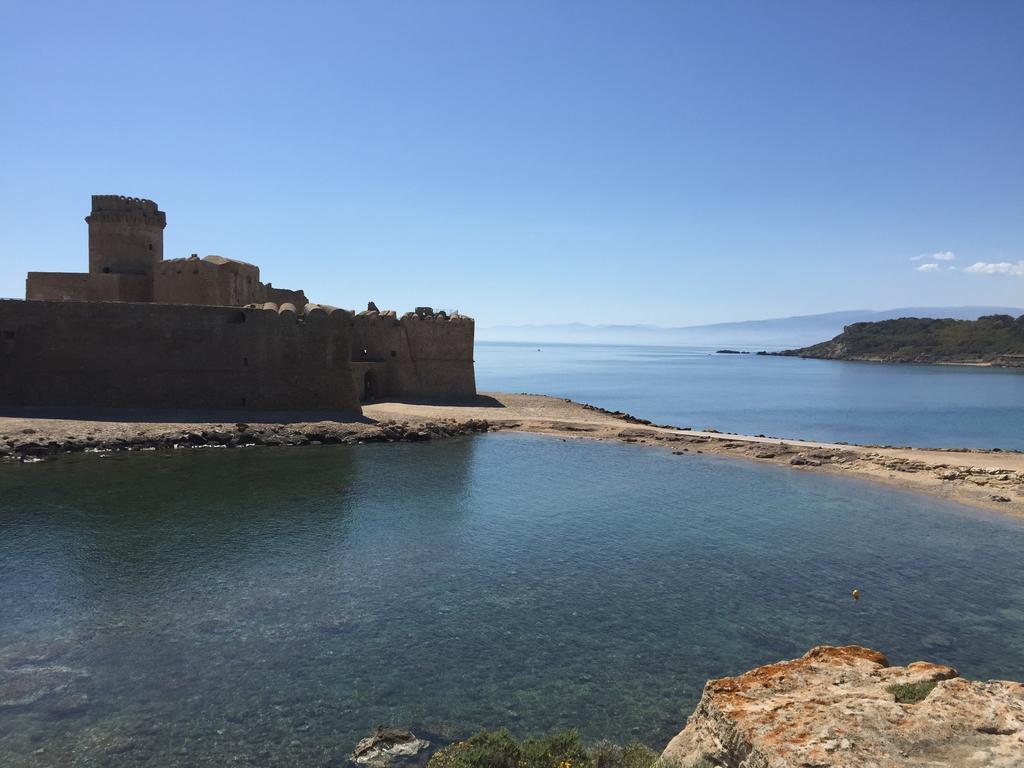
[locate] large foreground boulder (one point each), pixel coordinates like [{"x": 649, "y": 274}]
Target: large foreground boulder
[{"x": 847, "y": 708}]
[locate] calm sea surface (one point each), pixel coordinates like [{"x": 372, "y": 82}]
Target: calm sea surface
[
  {"x": 921, "y": 405},
  {"x": 270, "y": 606}
]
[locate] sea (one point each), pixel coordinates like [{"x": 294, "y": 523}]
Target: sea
[
  {"x": 927, "y": 406},
  {"x": 270, "y": 606}
]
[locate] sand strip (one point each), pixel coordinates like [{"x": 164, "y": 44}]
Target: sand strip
[{"x": 991, "y": 479}]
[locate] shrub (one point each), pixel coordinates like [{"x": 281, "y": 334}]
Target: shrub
[
  {"x": 497, "y": 749},
  {"x": 559, "y": 750},
  {"x": 638, "y": 756},
  {"x": 487, "y": 749},
  {"x": 911, "y": 693}
]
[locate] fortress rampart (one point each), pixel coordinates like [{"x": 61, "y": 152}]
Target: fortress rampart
[
  {"x": 119, "y": 354},
  {"x": 428, "y": 356},
  {"x": 141, "y": 331}
]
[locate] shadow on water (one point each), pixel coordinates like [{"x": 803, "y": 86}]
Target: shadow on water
[{"x": 174, "y": 416}]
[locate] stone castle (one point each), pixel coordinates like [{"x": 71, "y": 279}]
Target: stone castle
[{"x": 139, "y": 331}]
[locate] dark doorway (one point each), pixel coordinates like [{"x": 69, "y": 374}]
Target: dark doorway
[{"x": 369, "y": 387}]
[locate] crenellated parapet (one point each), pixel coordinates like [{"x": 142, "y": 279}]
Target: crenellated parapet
[
  {"x": 122, "y": 203},
  {"x": 439, "y": 336},
  {"x": 436, "y": 317},
  {"x": 123, "y": 208},
  {"x": 425, "y": 314},
  {"x": 308, "y": 311}
]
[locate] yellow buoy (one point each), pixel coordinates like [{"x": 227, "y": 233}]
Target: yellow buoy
[{"x": 856, "y": 594}]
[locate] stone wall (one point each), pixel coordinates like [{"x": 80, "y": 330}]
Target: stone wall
[
  {"x": 55, "y": 353},
  {"x": 442, "y": 354},
  {"x": 81, "y": 286},
  {"x": 424, "y": 356},
  {"x": 281, "y": 295}
]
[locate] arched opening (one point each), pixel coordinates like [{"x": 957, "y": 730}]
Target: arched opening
[{"x": 369, "y": 387}]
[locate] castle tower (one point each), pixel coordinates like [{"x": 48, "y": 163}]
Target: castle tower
[{"x": 126, "y": 235}]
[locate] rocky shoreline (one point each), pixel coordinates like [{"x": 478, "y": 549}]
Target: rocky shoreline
[
  {"x": 847, "y": 708},
  {"x": 915, "y": 359},
  {"x": 834, "y": 707},
  {"x": 34, "y": 443}
]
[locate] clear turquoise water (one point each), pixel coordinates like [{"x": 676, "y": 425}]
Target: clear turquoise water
[
  {"x": 872, "y": 403},
  {"x": 269, "y": 606}
]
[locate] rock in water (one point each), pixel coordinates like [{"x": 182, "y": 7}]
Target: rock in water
[
  {"x": 838, "y": 707},
  {"x": 388, "y": 747},
  {"x": 26, "y": 685}
]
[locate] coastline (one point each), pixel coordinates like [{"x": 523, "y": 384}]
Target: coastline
[
  {"x": 971, "y": 362},
  {"x": 980, "y": 478}
]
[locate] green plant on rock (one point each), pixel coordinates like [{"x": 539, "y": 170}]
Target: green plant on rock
[
  {"x": 559, "y": 750},
  {"x": 607, "y": 755},
  {"x": 487, "y": 749},
  {"x": 498, "y": 749},
  {"x": 639, "y": 756},
  {"x": 911, "y": 693}
]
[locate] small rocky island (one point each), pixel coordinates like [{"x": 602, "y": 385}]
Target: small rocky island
[{"x": 996, "y": 340}]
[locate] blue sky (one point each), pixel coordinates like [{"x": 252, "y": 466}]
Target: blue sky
[{"x": 667, "y": 163}]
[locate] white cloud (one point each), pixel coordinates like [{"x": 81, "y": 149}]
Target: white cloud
[
  {"x": 927, "y": 268},
  {"x": 937, "y": 256},
  {"x": 997, "y": 268}
]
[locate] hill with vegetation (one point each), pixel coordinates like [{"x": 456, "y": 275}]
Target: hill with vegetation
[{"x": 989, "y": 340}]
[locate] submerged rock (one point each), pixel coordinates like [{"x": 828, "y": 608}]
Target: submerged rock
[
  {"x": 388, "y": 747},
  {"x": 27, "y": 685},
  {"x": 847, "y": 708}
]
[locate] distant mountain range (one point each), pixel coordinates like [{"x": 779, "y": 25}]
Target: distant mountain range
[{"x": 802, "y": 330}]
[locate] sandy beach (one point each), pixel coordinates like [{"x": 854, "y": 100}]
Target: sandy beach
[{"x": 990, "y": 479}]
